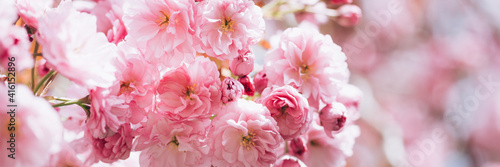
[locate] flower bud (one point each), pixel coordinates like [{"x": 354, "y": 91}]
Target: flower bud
[
  {"x": 247, "y": 84},
  {"x": 243, "y": 64},
  {"x": 231, "y": 90},
  {"x": 298, "y": 146},
  {"x": 340, "y": 2},
  {"x": 349, "y": 15},
  {"x": 289, "y": 161},
  {"x": 333, "y": 118},
  {"x": 260, "y": 81},
  {"x": 42, "y": 67}
]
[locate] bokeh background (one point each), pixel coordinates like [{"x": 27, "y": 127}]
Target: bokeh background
[{"x": 430, "y": 74}]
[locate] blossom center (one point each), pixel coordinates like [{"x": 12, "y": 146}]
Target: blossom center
[
  {"x": 174, "y": 141},
  {"x": 340, "y": 122},
  {"x": 125, "y": 87},
  {"x": 247, "y": 141},
  {"x": 164, "y": 20},
  {"x": 305, "y": 69},
  {"x": 189, "y": 91},
  {"x": 227, "y": 25},
  {"x": 283, "y": 110}
]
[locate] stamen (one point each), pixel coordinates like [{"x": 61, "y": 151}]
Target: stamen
[
  {"x": 164, "y": 20},
  {"x": 247, "y": 141},
  {"x": 189, "y": 91},
  {"x": 174, "y": 141},
  {"x": 227, "y": 25},
  {"x": 304, "y": 71},
  {"x": 125, "y": 87},
  {"x": 283, "y": 110}
]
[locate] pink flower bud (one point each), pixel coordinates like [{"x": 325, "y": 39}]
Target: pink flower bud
[
  {"x": 247, "y": 84},
  {"x": 243, "y": 64},
  {"x": 340, "y": 2},
  {"x": 333, "y": 118},
  {"x": 231, "y": 90},
  {"x": 289, "y": 161},
  {"x": 349, "y": 15},
  {"x": 260, "y": 81},
  {"x": 42, "y": 67},
  {"x": 298, "y": 146}
]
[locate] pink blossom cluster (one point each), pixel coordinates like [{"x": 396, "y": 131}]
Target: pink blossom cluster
[
  {"x": 343, "y": 12},
  {"x": 114, "y": 78}
]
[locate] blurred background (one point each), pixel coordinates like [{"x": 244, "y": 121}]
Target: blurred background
[{"x": 429, "y": 71}]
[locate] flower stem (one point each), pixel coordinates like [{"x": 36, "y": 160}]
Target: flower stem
[
  {"x": 84, "y": 103},
  {"x": 47, "y": 76},
  {"x": 35, "y": 51},
  {"x": 62, "y": 99},
  {"x": 66, "y": 103}
]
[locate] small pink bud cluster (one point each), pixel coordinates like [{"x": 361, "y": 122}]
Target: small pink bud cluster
[{"x": 349, "y": 15}]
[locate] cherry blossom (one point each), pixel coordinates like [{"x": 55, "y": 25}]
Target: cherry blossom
[
  {"x": 244, "y": 134},
  {"x": 190, "y": 91},
  {"x": 310, "y": 62},
  {"x": 227, "y": 28}
]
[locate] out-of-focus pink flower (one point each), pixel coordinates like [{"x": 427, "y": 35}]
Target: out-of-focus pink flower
[
  {"x": 491, "y": 164},
  {"x": 244, "y": 134},
  {"x": 190, "y": 91},
  {"x": 31, "y": 131},
  {"x": 229, "y": 27},
  {"x": 73, "y": 116},
  {"x": 350, "y": 96},
  {"x": 298, "y": 146},
  {"x": 349, "y": 15},
  {"x": 14, "y": 42},
  {"x": 8, "y": 13},
  {"x": 243, "y": 64},
  {"x": 42, "y": 67},
  {"x": 333, "y": 118},
  {"x": 109, "y": 19},
  {"x": 289, "y": 108},
  {"x": 113, "y": 147},
  {"x": 340, "y": 2},
  {"x": 31, "y": 11},
  {"x": 173, "y": 143},
  {"x": 319, "y": 16},
  {"x": 162, "y": 29},
  {"x": 3, "y": 78},
  {"x": 310, "y": 62},
  {"x": 65, "y": 157},
  {"x": 289, "y": 161},
  {"x": 260, "y": 81},
  {"x": 231, "y": 89},
  {"x": 326, "y": 151},
  {"x": 247, "y": 84},
  {"x": 83, "y": 57}
]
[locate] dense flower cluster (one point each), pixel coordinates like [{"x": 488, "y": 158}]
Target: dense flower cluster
[{"x": 173, "y": 80}]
